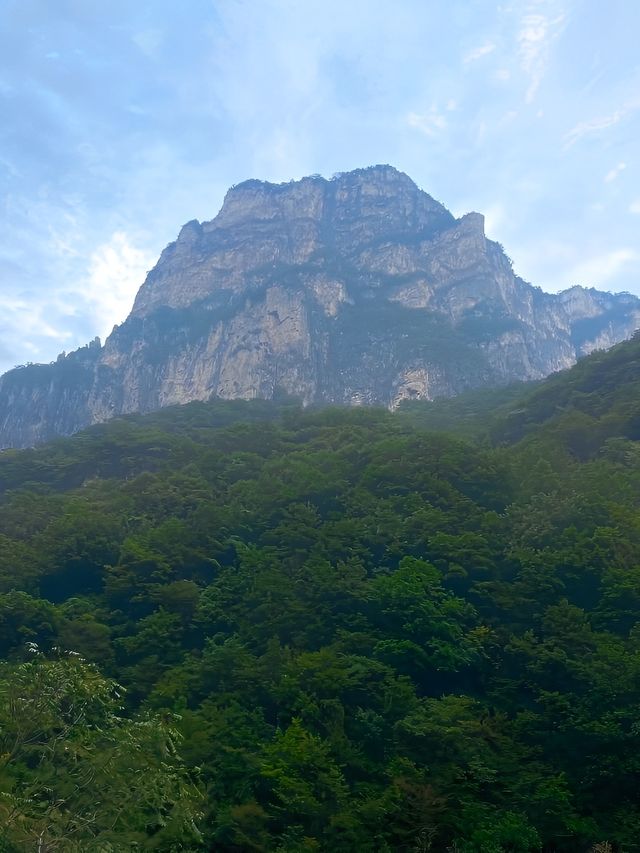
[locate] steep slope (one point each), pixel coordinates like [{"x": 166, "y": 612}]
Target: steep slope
[
  {"x": 598, "y": 400},
  {"x": 358, "y": 290},
  {"x": 579, "y": 410}
]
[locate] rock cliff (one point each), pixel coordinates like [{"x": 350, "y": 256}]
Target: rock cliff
[{"x": 357, "y": 290}]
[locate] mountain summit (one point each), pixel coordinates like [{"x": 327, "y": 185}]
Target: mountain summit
[{"x": 357, "y": 290}]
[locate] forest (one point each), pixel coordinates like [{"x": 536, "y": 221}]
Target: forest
[{"x": 247, "y": 626}]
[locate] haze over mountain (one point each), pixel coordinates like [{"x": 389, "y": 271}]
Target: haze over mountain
[{"x": 358, "y": 290}]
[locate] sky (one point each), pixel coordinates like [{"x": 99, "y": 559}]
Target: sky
[{"x": 121, "y": 121}]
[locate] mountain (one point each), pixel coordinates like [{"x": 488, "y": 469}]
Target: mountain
[{"x": 357, "y": 290}]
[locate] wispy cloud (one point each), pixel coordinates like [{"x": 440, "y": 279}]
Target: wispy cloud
[
  {"x": 32, "y": 319},
  {"x": 97, "y": 293},
  {"x": 558, "y": 264},
  {"x": 28, "y": 332},
  {"x": 596, "y": 125},
  {"x": 612, "y": 174},
  {"x": 146, "y": 115},
  {"x": 431, "y": 123},
  {"x": 599, "y": 269},
  {"x": 478, "y": 52},
  {"x": 538, "y": 30}
]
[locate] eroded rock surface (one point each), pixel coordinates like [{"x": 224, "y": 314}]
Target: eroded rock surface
[{"x": 358, "y": 290}]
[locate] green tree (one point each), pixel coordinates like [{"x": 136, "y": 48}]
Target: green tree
[{"x": 77, "y": 776}]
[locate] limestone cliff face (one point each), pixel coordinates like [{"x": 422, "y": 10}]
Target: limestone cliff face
[{"x": 358, "y": 290}]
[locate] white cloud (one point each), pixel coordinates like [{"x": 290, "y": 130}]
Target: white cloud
[
  {"x": 537, "y": 33},
  {"x": 634, "y": 207},
  {"x": 29, "y": 330},
  {"x": 597, "y": 270},
  {"x": 612, "y": 174},
  {"x": 37, "y": 325},
  {"x": 585, "y": 128},
  {"x": 431, "y": 123},
  {"x": 116, "y": 271},
  {"x": 494, "y": 216},
  {"x": 479, "y": 52},
  {"x": 502, "y": 74},
  {"x": 30, "y": 317}
]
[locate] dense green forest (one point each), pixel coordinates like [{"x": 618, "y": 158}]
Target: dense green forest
[{"x": 249, "y": 627}]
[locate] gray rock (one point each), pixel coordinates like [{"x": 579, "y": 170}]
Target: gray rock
[{"x": 359, "y": 290}]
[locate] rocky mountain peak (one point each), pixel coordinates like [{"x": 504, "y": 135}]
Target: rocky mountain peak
[
  {"x": 359, "y": 289},
  {"x": 263, "y": 225},
  {"x": 190, "y": 233},
  {"x": 316, "y": 198},
  {"x": 472, "y": 222}
]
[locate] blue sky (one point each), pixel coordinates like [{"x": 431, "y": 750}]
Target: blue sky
[{"x": 120, "y": 121}]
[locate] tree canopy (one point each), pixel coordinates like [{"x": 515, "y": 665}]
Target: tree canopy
[{"x": 234, "y": 626}]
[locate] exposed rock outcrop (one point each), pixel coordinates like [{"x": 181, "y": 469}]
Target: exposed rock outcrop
[{"x": 358, "y": 290}]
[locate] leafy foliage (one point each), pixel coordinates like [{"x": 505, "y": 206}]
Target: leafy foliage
[
  {"x": 335, "y": 630},
  {"x": 69, "y": 765}
]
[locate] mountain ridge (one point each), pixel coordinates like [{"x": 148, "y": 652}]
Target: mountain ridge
[{"x": 357, "y": 290}]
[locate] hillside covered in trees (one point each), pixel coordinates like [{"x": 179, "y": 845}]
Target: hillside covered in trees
[{"x": 250, "y": 627}]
